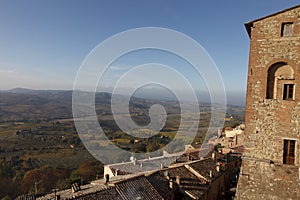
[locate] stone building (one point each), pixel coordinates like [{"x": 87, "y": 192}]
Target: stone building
[
  {"x": 231, "y": 140},
  {"x": 191, "y": 177},
  {"x": 271, "y": 161}
]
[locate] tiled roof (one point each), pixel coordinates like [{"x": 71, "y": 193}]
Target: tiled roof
[
  {"x": 202, "y": 146},
  {"x": 109, "y": 194},
  {"x": 106, "y": 194},
  {"x": 137, "y": 188},
  {"x": 68, "y": 194},
  {"x": 160, "y": 183},
  {"x": 205, "y": 167},
  {"x": 191, "y": 180},
  {"x": 197, "y": 154},
  {"x": 190, "y": 185},
  {"x": 142, "y": 166}
]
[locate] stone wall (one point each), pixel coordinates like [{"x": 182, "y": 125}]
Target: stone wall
[
  {"x": 262, "y": 180},
  {"x": 271, "y": 120}
]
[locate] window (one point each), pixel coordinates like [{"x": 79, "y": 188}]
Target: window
[
  {"x": 278, "y": 74},
  {"x": 289, "y": 152},
  {"x": 286, "y": 29},
  {"x": 288, "y": 91}
]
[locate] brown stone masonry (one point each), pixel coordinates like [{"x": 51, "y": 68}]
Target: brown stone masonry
[{"x": 270, "y": 168}]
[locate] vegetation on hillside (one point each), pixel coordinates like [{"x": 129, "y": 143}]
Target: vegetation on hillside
[{"x": 40, "y": 149}]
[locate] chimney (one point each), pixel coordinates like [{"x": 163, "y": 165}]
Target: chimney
[
  {"x": 171, "y": 185},
  {"x": 213, "y": 155},
  {"x": 178, "y": 180},
  {"x": 106, "y": 178},
  {"x": 210, "y": 174},
  {"x": 141, "y": 164},
  {"x": 166, "y": 173},
  {"x": 134, "y": 162},
  {"x": 218, "y": 167},
  {"x": 116, "y": 174}
]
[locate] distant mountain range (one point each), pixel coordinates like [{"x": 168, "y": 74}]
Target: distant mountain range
[{"x": 21, "y": 104}]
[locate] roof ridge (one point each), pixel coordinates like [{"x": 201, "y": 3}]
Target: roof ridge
[
  {"x": 249, "y": 24},
  {"x": 130, "y": 178},
  {"x": 276, "y": 13}
]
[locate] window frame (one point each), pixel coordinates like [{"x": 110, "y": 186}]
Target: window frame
[
  {"x": 288, "y": 91},
  {"x": 289, "y": 151},
  {"x": 287, "y": 29}
]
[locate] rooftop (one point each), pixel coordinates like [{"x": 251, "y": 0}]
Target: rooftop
[
  {"x": 190, "y": 180},
  {"x": 145, "y": 165},
  {"x": 206, "y": 168},
  {"x": 66, "y": 194},
  {"x": 248, "y": 25},
  {"x": 137, "y": 188}
]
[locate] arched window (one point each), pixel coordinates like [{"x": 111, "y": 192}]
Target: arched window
[{"x": 280, "y": 78}]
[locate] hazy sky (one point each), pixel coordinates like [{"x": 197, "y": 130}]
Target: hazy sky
[{"x": 43, "y": 43}]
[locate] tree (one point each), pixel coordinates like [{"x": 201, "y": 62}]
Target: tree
[
  {"x": 43, "y": 179},
  {"x": 88, "y": 170}
]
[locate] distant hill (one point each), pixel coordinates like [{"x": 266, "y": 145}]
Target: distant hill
[
  {"x": 24, "y": 104},
  {"x": 232, "y": 98},
  {"x": 21, "y": 104}
]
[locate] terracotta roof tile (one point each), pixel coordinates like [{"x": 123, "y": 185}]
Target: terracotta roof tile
[
  {"x": 106, "y": 194},
  {"x": 189, "y": 184},
  {"x": 197, "y": 154},
  {"x": 205, "y": 167},
  {"x": 160, "y": 183},
  {"x": 110, "y": 193},
  {"x": 137, "y": 188}
]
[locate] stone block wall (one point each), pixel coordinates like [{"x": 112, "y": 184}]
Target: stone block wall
[
  {"x": 262, "y": 180},
  {"x": 270, "y": 119}
]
